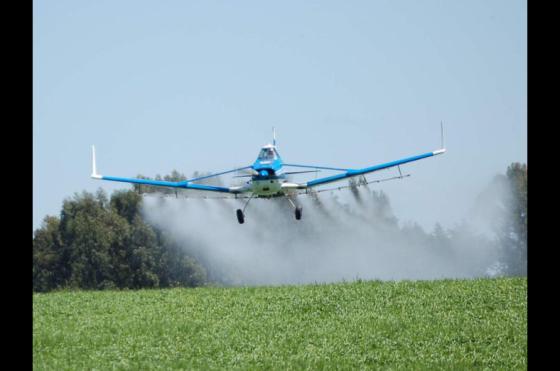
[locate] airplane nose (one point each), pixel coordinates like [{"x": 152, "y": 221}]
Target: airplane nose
[{"x": 264, "y": 173}]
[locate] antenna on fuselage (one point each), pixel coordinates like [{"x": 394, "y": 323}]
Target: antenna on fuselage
[{"x": 273, "y": 137}]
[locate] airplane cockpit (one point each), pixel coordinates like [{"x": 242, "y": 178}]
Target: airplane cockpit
[{"x": 268, "y": 154}]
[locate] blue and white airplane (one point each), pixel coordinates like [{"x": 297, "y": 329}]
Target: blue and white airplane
[{"x": 268, "y": 178}]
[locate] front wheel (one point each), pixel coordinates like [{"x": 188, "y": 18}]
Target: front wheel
[{"x": 240, "y": 216}]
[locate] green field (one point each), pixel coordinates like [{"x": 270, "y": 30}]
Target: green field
[{"x": 447, "y": 324}]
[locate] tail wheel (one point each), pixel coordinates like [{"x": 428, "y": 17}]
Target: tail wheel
[
  {"x": 298, "y": 212},
  {"x": 240, "y": 216}
]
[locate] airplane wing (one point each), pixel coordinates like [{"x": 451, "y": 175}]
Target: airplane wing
[
  {"x": 185, "y": 184},
  {"x": 349, "y": 173}
]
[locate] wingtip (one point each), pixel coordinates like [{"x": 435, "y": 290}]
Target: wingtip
[
  {"x": 439, "y": 151},
  {"x": 94, "y": 174}
]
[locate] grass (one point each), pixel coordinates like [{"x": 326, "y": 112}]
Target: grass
[{"x": 447, "y": 324}]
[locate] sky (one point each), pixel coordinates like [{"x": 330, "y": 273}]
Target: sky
[{"x": 198, "y": 85}]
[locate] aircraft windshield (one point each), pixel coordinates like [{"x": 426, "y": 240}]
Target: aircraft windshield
[{"x": 267, "y": 154}]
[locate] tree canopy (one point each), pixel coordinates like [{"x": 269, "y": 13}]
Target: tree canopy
[{"x": 99, "y": 243}]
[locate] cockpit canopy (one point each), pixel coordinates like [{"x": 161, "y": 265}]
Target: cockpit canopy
[{"x": 268, "y": 153}]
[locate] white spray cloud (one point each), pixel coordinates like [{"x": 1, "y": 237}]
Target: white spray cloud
[{"x": 340, "y": 237}]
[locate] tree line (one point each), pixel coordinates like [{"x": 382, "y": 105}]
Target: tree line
[{"x": 101, "y": 242}]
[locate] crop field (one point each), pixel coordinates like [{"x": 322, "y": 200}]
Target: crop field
[{"x": 446, "y": 324}]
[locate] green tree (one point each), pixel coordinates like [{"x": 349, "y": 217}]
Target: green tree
[
  {"x": 145, "y": 253},
  {"x": 47, "y": 245},
  {"x": 514, "y": 235},
  {"x": 93, "y": 235},
  {"x": 126, "y": 204},
  {"x": 99, "y": 243}
]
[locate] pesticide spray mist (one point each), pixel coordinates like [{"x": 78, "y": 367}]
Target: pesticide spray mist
[{"x": 349, "y": 236}]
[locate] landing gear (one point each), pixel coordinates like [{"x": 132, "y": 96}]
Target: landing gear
[
  {"x": 298, "y": 212},
  {"x": 240, "y": 216},
  {"x": 240, "y": 213},
  {"x": 298, "y": 209}
]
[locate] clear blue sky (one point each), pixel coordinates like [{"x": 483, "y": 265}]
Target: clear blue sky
[{"x": 197, "y": 85}]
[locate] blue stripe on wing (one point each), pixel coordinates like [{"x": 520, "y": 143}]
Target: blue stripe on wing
[
  {"x": 366, "y": 170},
  {"x": 162, "y": 183}
]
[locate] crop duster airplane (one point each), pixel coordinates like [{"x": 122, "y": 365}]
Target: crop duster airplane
[{"x": 268, "y": 178}]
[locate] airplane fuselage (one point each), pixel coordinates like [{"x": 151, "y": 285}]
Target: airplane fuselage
[
  {"x": 267, "y": 176},
  {"x": 267, "y": 187}
]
